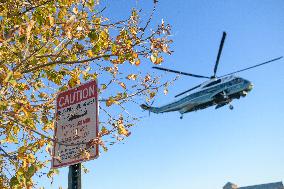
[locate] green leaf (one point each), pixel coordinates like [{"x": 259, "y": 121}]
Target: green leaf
[
  {"x": 14, "y": 182},
  {"x": 3, "y": 105},
  {"x": 52, "y": 172},
  {"x": 93, "y": 35},
  {"x": 31, "y": 171}
]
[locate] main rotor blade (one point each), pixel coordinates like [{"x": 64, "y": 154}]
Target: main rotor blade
[
  {"x": 219, "y": 53},
  {"x": 179, "y": 72},
  {"x": 187, "y": 91},
  {"x": 272, "y": 60}
]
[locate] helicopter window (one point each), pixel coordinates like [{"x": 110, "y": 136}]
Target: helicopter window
[
  {"x": 213, "y": 83},
  {"x": 232, "y": 82},
  {"x": 237, "y": 80}
]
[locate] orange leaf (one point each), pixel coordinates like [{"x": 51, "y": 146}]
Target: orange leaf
[
  {"x": 152, "y": 94},
  {"x": 51, "y": 20},
  {"x": 137, "y": 62},
  {"x": 159, "y": 60},
  {"x": 109, "y": 102},
  {"x": 135, "y": 55},
  {"x": 147, "y": 78}
]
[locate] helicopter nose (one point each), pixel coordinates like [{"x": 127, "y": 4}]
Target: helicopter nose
[{"x": 250, "y": 86}]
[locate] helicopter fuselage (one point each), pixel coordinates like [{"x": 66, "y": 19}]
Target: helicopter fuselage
[{"x": 217, "y": 92}]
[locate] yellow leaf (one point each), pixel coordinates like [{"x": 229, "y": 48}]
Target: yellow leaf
[
  {"x": 133, "y": 30},
  {"x": 105, "y": 148},
  {"x": 42, "y": 95},
  {"x": 51, "y": 20},
  {"x": 48, "y": 126},
  {"x": 74, "y": 81},
  {"x": 3, "y": 105},
  {"x": 29, "y": 28},
  {"x": 122, "y": 130},
  {"x": 94, "y": 76},
  {"x": 103, "y": 86},
  {"x": 44, "y": 119},
  {"x": 90, "y": 53},
  {"x": 153, "y": 58},
  {"x": 8, "y": 76},
  {"x": 165, "y": 49},
  {"x": 16, "y": 130},
  {"x": 69, "y": 35},
  {"x": 166, "y": 91},
  {"x": 104, "y": 35},
  {"x": 131, "y": 77},
  {"x": 107, "y": 57},
  {"x": 52, "y": 172},
  {"x": 104, "y": 131},
  {"x": 122, "y": 85},
  {"x": 108, "y": 69},
  {"x": 17, "y": 75},
  {"x": 86, "y": 154},
  {"x": 21, "y": 31},
  {"x": 26, "y": 112},
  {"x": 48, "y": 149},
  {"x": 75, "y": 10},
  {"x": 41, "y": 143},
  {"x": 31, "y": 158}
]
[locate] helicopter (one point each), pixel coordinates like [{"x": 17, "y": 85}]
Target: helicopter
[{"x": 216, "y": 91}]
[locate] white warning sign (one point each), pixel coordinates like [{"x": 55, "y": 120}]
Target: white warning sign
[{"x": 76, "y": 125}]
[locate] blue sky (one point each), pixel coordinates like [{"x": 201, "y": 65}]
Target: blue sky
[{"x": 210, "y": 147}]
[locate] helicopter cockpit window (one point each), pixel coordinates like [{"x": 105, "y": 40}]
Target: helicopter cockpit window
[
  {"x": 213, "y": 83},
  {"x": 237, "y": 80}
]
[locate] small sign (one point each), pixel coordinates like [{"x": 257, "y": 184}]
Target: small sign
[{"x": 76, "y": 125}]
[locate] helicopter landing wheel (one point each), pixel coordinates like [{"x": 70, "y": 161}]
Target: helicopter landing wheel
[
  {"x": 181, "y": 116},
  {"x": 231, "y": 107}
]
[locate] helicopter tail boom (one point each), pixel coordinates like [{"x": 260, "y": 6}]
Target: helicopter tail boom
[
  {"x": 145, "y": 107},
  {"x": 149, "y": 108}
]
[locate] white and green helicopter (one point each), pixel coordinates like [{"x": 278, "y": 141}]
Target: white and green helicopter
[{"x": 218, "y": 91}]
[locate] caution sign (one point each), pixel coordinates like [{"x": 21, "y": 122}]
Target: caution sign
[{"x": 76, "y": 125}]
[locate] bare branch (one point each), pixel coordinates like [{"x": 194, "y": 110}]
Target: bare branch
[
  {"x": 7, "y": 155},
  {"x": 149, "y": 20}
]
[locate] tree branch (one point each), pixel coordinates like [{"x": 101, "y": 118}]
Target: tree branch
[
  {"x": 7, "y": 155},
  {"x": 65, "y": 62},
  {"x": 31, "y": 8},
  {"x": 149, "y": 20}
]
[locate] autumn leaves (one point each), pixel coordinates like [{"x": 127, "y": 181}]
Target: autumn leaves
[{"x": 47, "y": 46}]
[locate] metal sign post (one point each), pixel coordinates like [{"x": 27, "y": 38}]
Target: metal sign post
[
  {"x": 76, "y": 126},
  {"x": 74, "y": 176}
]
